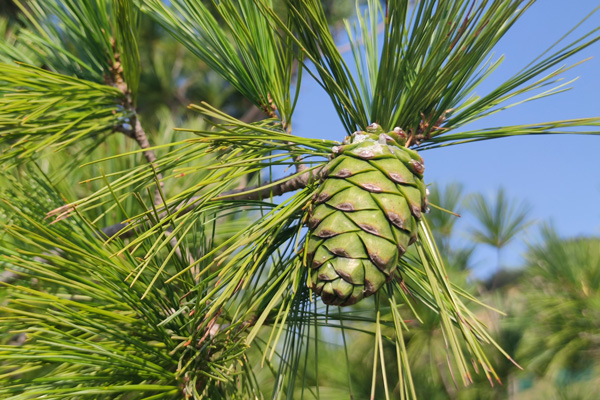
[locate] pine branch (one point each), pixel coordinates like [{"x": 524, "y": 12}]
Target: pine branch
[
  {"x": 287, "y": 184},
  {"x": 276, "y": 188},
  {"x": 138, "y": 134}
]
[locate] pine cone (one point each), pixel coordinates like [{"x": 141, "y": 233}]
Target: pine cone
[{"x": 364, "y": 216}]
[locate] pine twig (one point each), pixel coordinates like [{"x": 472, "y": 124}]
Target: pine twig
[
  {"x": 276, "y": 188},
  {"x": 138, "y": 134}
]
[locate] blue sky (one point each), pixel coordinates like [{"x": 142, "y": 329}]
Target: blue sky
[{"x": 558, "y": 175}]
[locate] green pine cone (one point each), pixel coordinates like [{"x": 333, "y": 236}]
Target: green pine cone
[{"x": 364, "y": 216}]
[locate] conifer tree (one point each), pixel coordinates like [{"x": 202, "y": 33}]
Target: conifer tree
[{"x": 190, "y": 266}]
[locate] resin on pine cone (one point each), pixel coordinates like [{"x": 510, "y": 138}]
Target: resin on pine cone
[{"x": 364, "y": 216}]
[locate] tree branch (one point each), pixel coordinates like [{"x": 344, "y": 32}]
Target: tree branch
[
  {"x": 275, "y": 188},
  {"x": 138, "y": 134}
]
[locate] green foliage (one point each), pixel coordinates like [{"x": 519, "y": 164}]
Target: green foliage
[
  {"x": 10, "y": 48},
  {"x": 565, "y": 308},
  {"x": 84, "y": 94},
  {"x": 127, "y": 20},
  {"x": 438, "y": 57},
  {"x": 248, "y": 54},
  {"x": 71, "y": 36},
  {"x": 42, "y": 110},
  {"x": 500, "y": 221},
  {"x": 89, "y": 331}
]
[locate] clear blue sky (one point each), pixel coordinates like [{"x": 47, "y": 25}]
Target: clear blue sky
[{"x": 558, "y": 175}]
